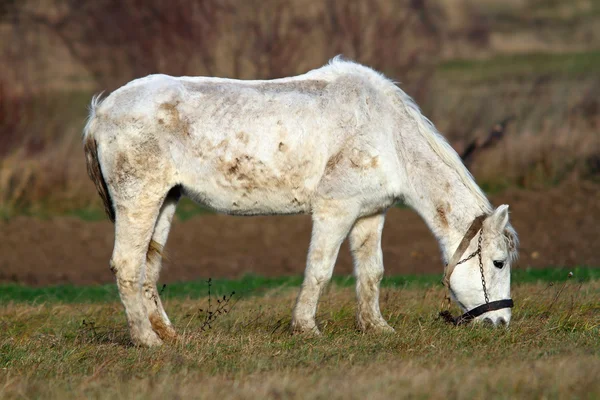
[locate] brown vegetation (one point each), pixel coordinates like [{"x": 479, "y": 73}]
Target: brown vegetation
[{"x": 57, "y": 53}]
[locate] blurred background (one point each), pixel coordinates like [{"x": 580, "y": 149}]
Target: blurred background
[{"x": 513, "y": 84}]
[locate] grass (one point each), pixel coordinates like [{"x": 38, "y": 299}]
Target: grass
[
  {"x": 523, "y": 66},
  {"x": 186, "y": 209},
  {"x": 251, "y": 285},
  {"x": 551, "y": 349}
]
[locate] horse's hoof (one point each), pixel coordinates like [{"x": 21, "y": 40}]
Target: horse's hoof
[
  {"x": 385, "y": 329},
  {"x": 304, "y": 329},
  {"x": 375, "y": 327},
  {"x": 147, "y": 339}
]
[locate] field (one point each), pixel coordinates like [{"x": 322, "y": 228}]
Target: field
[
  {"x": 526, "y": 70},
  {"x": 75, "y": 249},
  {"x": 74, "y": 342},
  {"x": 63, "y": 332}
]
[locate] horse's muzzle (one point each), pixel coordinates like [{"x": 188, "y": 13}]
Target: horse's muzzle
[{"x": 470, "y": 315}]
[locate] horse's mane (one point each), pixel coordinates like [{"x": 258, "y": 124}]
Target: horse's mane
[
  {"x": 425, "y": 127},
  {"x": 443, "y": 149},
  {"x": 449, "y": 156}
]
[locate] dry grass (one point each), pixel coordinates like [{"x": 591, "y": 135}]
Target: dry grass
[
  {"x": 552, "y": 96},
  {"x": 41, "y": 158},
  {"x": 54, "y": 179},
  {"x": 550, "y": 351},
  {"x": 552, "y": 138},
  {"x": 540, "y": 159},
  {"x": 553, "y": 134}
]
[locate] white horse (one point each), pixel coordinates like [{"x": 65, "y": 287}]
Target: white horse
[{"x": 341, "y": 142}]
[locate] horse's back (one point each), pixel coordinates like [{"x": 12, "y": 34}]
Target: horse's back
[
  {"x": 254, "y": 147},
  {"x": 251, "y": 147}
]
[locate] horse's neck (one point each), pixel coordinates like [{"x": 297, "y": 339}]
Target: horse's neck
[{"x": 443, "y": 201}]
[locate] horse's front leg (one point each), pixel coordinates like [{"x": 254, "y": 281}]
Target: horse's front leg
[
  {"x": 330, "y": 228},
  {"x": 365, "y": 244}
]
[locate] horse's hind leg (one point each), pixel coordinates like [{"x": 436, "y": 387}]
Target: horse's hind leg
[
  {"x": 329, "y": 231},
  {"x": 156, "y": 313},
  {"x": 134, "y": 225},
  {"x": 365, "y": 244}
]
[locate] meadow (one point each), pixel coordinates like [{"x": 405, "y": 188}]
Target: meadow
[
  {"x": 469, "y": 64},
  {"x": 73, "y": 341}
]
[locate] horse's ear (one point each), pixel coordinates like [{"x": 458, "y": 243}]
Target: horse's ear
[{"x": 499, "y": 218}]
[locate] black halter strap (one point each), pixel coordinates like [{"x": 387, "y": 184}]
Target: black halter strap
[
  {"x": 476, "y": 312},
  {"x": 476, "y": 226}
]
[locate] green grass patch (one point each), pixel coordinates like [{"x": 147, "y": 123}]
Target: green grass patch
[
  {"x": 187, "y": 208},
  {"x": 573, "y": 65},
  {"x": 251, "y": 285},
  {"x": 44, "y": 212},
  {"x": 89, "y": 214}
]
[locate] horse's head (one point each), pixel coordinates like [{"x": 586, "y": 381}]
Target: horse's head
[{"x": 481, "y": 273}]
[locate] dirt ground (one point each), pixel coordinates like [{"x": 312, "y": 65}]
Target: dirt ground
[{"x": 557, "y": 227}]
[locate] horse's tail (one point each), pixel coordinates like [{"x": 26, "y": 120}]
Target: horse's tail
[{"x": 90, "y": 147}]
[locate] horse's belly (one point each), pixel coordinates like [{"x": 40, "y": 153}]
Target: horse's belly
[
  {"x": 246, "y": 185},
  {"x": 259, "y": 203}
]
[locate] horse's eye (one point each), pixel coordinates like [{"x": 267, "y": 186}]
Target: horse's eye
[{"x": 499, "y": 264}]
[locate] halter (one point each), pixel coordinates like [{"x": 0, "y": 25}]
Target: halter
[{"x": 476, "y": 226}]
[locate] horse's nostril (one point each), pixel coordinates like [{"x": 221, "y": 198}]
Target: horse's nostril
[
  {"x": 501, "y": 322},
  {"x": 488, "y": 321}
]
